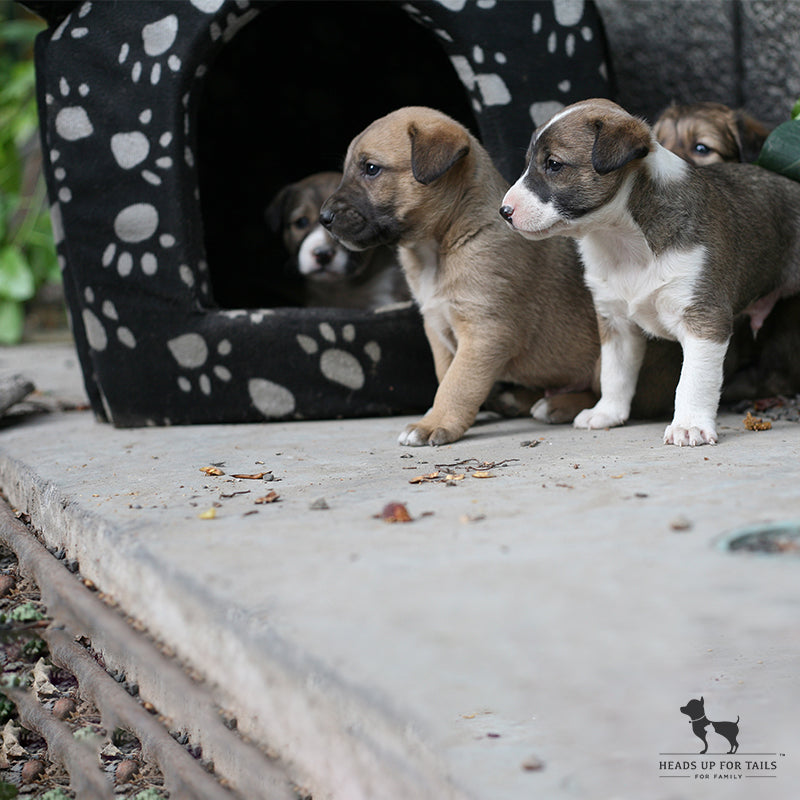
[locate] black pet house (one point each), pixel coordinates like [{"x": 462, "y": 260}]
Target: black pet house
[{"x": 167, "y": 128}]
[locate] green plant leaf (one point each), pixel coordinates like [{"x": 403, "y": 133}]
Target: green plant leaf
[
  {"x": 781, "y": 150},
  {"x": 20, "y": 31},
  {"x": 7, "y": 791},
  {"x": 16, "y": 276},
  {"x": 27, "y": 612},
  {"x": 796, "y": 110},
  {"x": 12, "y": 321}
]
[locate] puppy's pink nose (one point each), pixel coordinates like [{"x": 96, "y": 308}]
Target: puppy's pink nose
[{"x": 506, "y": 212}]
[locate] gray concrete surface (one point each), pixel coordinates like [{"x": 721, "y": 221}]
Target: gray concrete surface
[{"x": 551, "y": 616}]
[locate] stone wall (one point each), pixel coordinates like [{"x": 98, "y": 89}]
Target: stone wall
[{"x": 745, "y": 53}]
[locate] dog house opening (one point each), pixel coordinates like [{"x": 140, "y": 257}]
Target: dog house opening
[{"x": 282, "y": 100}]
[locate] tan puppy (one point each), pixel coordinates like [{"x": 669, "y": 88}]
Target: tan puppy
[
  {"x": 495, "y": 306},
  {"x": 333, "y": 276},
  {"x": 707, "y": 133}
]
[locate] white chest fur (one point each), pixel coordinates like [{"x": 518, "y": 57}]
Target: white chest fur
[
  {"x": 421, "y": 264},
  {"x": 627, "y": 280}
]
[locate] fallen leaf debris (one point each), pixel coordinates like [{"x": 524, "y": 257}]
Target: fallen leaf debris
[
  {"x": 752, "y": 423},
  {"x": 452, "y": 473}
]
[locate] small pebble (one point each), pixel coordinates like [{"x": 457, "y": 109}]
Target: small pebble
[
  {"x": 31, "y": 770},
  {"x": 320, "y": 504},
  {"x": 63, "y": 707},
  {"x": 125, "y": 771},
  {"x": 532, "y": 764},
  {"x": 680, "y": 523}
]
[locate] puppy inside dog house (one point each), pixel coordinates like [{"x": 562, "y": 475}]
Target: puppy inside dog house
[{"x": 166, "y": 129}]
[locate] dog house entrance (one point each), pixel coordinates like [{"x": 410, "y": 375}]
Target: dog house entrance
[{"x": 283, "y": 100}]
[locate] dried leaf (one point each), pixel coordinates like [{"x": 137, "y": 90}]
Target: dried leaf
[
  {"x": 212, "y": 470},
  {"x": 255, "y": 477},
  {"x": 431, "y": 476},
  {"x": 271, "y": 497},
  {"x": 756, "y": 423},
  {"x": 395, "y": 512},
  {"x": 11, "y": 745},
  {"x": 41, "y": 680},
  {"x": 482, "y": 474},
  {"x": 210, "y": 514}
]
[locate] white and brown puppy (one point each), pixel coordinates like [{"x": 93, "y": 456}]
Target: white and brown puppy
[
  {"x": 495, "y": 306},
  {"x": 707, "y": 133},
  {"x": 333, "y": 275},
  {"x": 669, "y": 250}
]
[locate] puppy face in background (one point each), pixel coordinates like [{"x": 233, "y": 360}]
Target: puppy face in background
[
  {"x": 333, "y": 275},
  {"x": 708, "y": 133},
  {"x": 294, "y": 213}
]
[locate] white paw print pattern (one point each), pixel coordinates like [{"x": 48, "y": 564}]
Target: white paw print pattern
[
  {"x": 96, "y": 323},
  {"x": 568, "y": 14},
  {"x": 192, "y": 353},
  {"x": 157, "y": 39},
  {"x": 72, "y": 123},
  {"x": 340, "y": 366},
  {"x": 137, "y": 223},
  {"x": 132, "y": 149},
  {"x": 136, "y": 227},
  {"x": 492, "y": 88}
]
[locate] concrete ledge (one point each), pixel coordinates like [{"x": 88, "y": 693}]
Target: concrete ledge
[{"x": 549, "y": 616}]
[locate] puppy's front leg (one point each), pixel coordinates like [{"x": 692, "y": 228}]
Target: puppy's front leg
[
  {"x": 622, "y": 346},
  {"x": 697, "y": 395},
  {"x": 442, "y": 354},
  {"x": 465, "y": 385}
]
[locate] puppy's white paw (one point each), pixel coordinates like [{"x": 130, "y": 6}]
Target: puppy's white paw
[
  {"x": 691, "y": 434},
  {"x": 541, "y": 410},
  {"x": 419, "y": 434},
  {"x": 412, "y": 436},
  {"x": 598, "y": 417}
]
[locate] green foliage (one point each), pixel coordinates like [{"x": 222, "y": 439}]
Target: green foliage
[
  {"x": 8, "y": 791},
  {"x": 149, "y": 794},
  {"x": 27, "y": 612},
  {"x": 27, "y": 255},
  {"x": 53, "y": 794},
  {"x": 7, "y": 709},
  {"x": 33, "y": 649},
  {"x": 781, "y": 150}
]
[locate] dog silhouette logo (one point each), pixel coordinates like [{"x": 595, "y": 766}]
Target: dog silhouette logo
[{"x": 695, "y": 710}]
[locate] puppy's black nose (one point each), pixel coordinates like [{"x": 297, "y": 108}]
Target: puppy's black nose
[
  {"x": 326, "y": 217},
  {"x": 506, "y": 212},
  {"x": 323, "y": 255}
]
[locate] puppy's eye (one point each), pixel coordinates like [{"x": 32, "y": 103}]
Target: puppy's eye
[
  {"x": 552, "y": 166},
  {"x": 371, "y": 170},
  {"x": 301, "y": 223},
  {"x": 702, "y": 149}
]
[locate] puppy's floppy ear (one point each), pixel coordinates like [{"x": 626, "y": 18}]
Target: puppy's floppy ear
[
  {"x": 749, "y": 134},
  {"x": 276, "y": 210},
  {"x": 617, "y": 142},
  {"x": 435, "y": 149}
]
